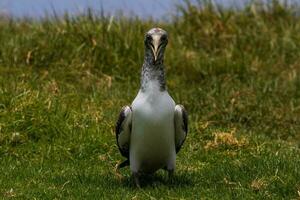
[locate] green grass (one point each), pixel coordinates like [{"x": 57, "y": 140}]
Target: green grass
[{"x": 63, "y": 82}]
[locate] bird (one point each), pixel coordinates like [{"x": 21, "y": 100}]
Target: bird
[{"x": 151, "y": 131}]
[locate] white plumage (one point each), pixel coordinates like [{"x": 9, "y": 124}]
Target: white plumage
[{"x": 152, "y": 135}]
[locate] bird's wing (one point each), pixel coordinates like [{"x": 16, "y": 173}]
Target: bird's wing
[
  {"x": 181, "y": 126},
  {"x": 123, "y": 130}
]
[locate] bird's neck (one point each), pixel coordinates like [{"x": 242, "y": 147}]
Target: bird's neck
[{"x": 153, "y": 74}]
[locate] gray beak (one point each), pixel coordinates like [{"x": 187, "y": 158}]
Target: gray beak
[{"x": 156, "y": 43}]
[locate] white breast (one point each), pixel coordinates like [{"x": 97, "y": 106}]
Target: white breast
[{"x": 152, "y": 138}]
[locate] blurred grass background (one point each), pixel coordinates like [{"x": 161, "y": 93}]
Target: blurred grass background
[{"x": 64, "y": 79}]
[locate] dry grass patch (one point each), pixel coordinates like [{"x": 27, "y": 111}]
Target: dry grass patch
[
  {"x": 227, "y": 140},
  {"x": 258, "y": 184}
]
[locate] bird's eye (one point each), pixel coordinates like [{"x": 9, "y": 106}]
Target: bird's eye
[
  {"x": 148, "y": 38},
  {"x": 163, "y": 38}
]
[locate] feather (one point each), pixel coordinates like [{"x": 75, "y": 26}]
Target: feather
[
  {"x": 123, "y": 130},
  {"x": 181, "y": 126}
]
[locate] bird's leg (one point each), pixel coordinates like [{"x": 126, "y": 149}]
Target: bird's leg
[
  {"x": 170, "y": 174},
  {"x": 136, "y": 179}
]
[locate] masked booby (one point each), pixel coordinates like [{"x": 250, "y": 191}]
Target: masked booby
[{"x": 151, "y": 131}]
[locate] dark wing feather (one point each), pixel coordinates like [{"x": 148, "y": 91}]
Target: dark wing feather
[
  {"x": 123, "y": 130},
  {"x": 181, "y": 126},
  {"x": 185, "y": 119}
]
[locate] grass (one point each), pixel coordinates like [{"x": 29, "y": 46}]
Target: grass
[{"x": 63, "y": 82}]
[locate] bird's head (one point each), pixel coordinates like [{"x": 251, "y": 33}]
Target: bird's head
[{"x": 156, "y": 41}]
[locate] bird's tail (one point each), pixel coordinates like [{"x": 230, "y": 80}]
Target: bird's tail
[{"x": 124, "y": 164}]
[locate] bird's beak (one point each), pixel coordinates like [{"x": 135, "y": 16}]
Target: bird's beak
[{"x": 155, "y": 46}]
